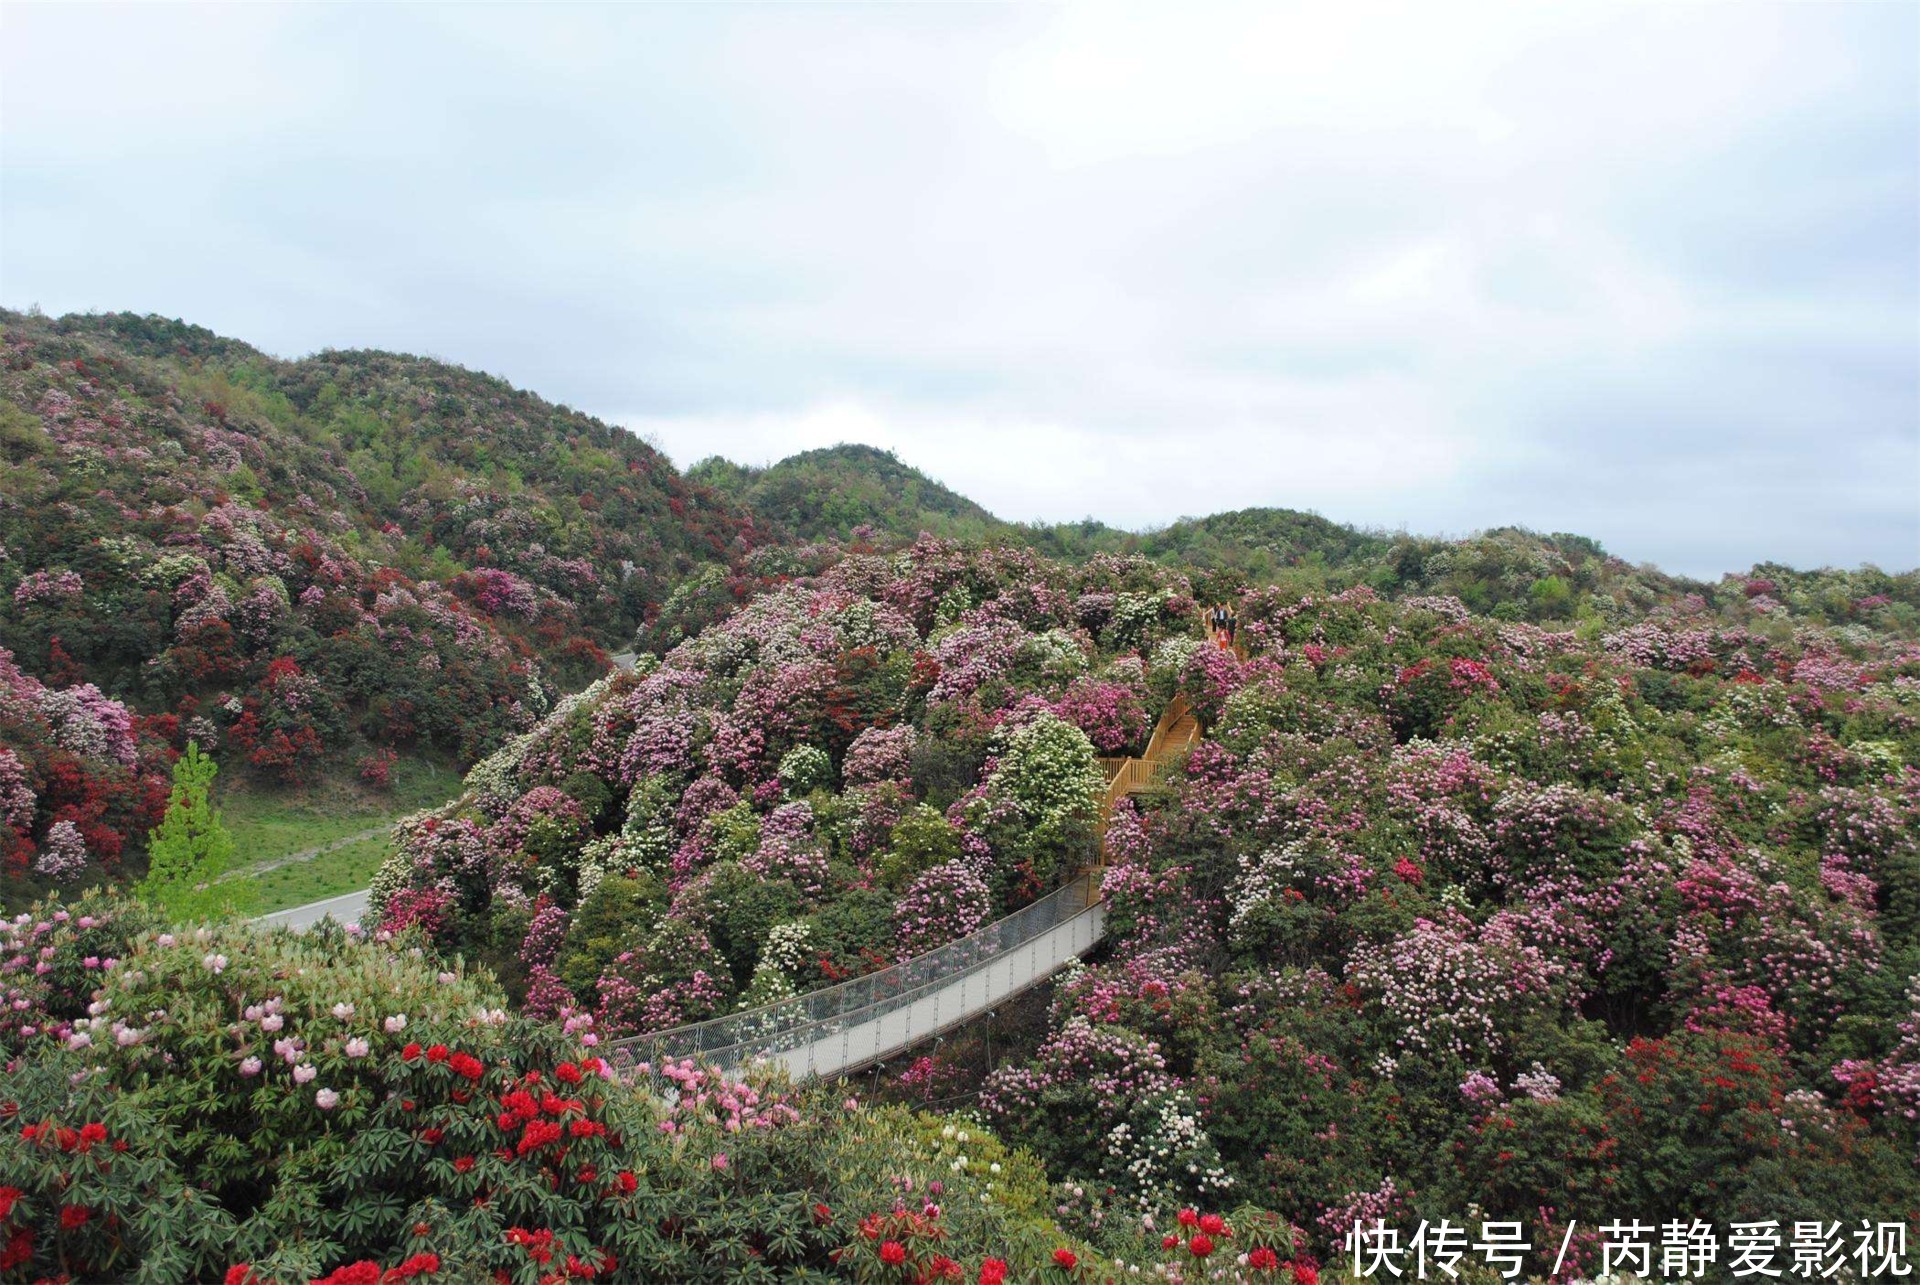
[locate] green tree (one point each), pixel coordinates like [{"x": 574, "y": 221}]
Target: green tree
[{"x": 191, "y": 849}]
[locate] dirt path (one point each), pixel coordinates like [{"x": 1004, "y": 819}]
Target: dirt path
[{"x": 308, "y": 854}]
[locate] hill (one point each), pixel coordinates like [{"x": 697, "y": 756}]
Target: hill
[
  {"x": 304, "y": 562},
  {"x": 830, "y": 493},
  {"x": 1508, "y": 572},
  {"x": 311, "y": 566}
]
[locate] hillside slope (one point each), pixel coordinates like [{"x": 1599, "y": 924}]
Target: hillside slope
[{"x": 305, "y": 562}]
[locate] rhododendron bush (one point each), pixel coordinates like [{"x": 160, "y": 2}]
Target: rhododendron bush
[
  {"x": 1450, "y": 913},
  {"x": 193, "y": 1104},
  {"x": 854, "y": 767},
  {"x": 81, "y": 778}
]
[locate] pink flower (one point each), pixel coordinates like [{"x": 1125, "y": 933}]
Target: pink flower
[{"x": 326, "y": 1099}]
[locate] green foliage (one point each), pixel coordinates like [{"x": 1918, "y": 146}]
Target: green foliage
[
  {"x": 191, "y": 849},
  {"x": 921, "y": 840},
  {"x": 617, "y": 916}
]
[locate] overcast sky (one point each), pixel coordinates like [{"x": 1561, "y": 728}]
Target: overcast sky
[{"x": 1650, "y": 273}]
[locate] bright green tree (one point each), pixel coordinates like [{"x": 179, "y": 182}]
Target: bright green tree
[{"x": 191, "y": 849}]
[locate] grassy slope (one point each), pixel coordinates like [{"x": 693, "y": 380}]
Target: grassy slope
[{"x": 269, "y": 826}]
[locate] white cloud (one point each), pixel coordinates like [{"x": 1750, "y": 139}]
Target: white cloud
[{"x": 1453, "y": 265}]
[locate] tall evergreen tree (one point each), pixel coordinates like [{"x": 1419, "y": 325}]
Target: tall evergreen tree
[{"x": 191, "y": 848}]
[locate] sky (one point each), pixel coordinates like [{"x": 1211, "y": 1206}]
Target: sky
[{"x": 1645, "y": 272}]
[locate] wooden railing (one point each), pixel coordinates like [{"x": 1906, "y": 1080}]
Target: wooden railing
[{"x": 1176, "y": 732}]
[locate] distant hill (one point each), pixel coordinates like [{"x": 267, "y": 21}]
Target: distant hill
[
  {"x": 828, "y": 493},
  {"x": 295, "y": 558},
  {"x": 1508, "y": 572}
]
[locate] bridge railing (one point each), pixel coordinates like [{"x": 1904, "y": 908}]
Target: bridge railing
[{"x": 739, "y": 1039}]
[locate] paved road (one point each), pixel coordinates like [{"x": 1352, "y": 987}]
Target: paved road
[{"x": 347, "y": 909}]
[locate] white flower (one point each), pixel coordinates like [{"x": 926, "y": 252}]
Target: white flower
[
  {"x": 165, "y": 940},
  {"x": 326, "y": 1099},
  {"x": 358, "y": 1047},
  {"x": 272, "y": 1022},
  {"x": 215, "y": 963},
  {"x": 396, "y": 1024},
  {"x": 304, "y": 1073},
  {"x": 126, "y": 1036},
  {"x": 343, "y": 1011},
  {"x": 250, "y": 1067},
  {"x": 446, "y": 979},
  {"x": 79, "y": 1040}
]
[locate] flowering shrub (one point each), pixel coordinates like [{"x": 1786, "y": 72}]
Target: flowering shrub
[
  {"x": 1448, "y": 913},
  {"x": 200, "y": 1104},
  {"x": 80, "y": 779},
  {"x": 699, "y": 793}
]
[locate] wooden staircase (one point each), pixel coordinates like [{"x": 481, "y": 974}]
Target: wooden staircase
[{"x": 1176, "y": 732}]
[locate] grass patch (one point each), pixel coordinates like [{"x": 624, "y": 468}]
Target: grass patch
[
  {"x": 270, "y": 825},
  {"x": 330, "y": 874}
]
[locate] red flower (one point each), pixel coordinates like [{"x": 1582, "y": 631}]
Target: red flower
[
  {"x": 7, "y": 1196},
  {"x": 1201, "y": 1245},
  {"x": 241, "y": 1274},
  {"x": 19, "y": 1249},
  {"x": 29, "y": 1132},
  {"x": 438, "y": 1053},
  {"x": 1169, "y": 1241},
  {"x": 72, "y": 1216},
  {"x": 1304, "y": 1273},
  {"x": 1213, "y": 1224},
  {"x": 1263, "y": 1259},
  {"x": 943, "y": 1268},
  {"x": 538, "y": 1133},
  {"x": 365, "y": 1272},
  {"x": 468, "y": 1065},
  {"x": 627, "y": 1183},
  {"x": 568, "y": 1072},
  {"x": 1188, "y": 1218},
  {"x": 463, "y": 1165},
  {"x": 822, "y": 1215},
  {"x": 1066, "y": 1258},
  {"x": 893, "y": 1253},
  {"x": 92, "y": 1133},
  {"x": 410, "y": 1052},
  {"x": 431, "y": 1137},
  {"x": 993, "y": 1272}
]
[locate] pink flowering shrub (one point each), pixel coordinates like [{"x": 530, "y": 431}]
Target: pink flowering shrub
[
  {"x": 947, "y": 902},
  {"x": 880, "y": 754}
]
